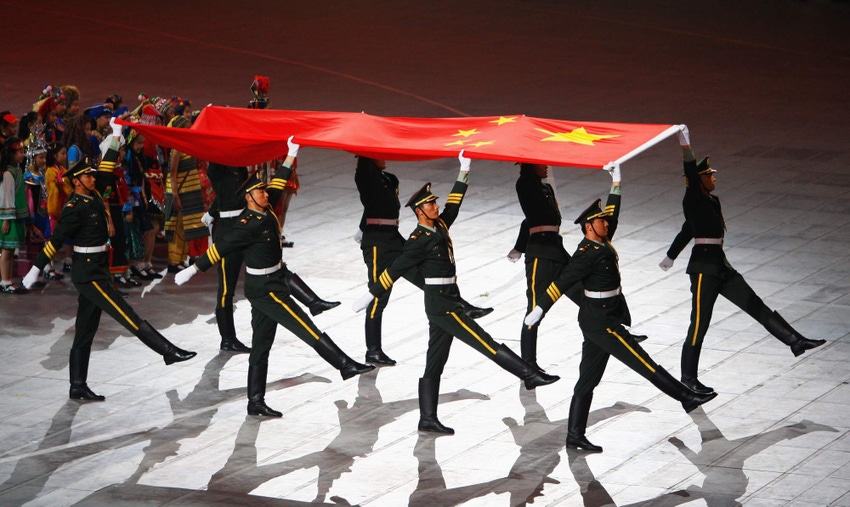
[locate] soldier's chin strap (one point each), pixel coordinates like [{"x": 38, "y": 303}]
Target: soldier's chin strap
[{"x": 593, "y": 226}]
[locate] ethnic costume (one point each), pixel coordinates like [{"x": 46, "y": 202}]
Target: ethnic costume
[
  {"x": 603, "y": 315},
  {"x": 256, "y": 236},
  {"x": 429, "y": 250},
  {"x": 84, "y": 219},
  {"x": 712, "y": 276}
]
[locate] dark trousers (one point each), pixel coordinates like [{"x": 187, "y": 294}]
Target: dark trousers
[
  {"x": 377, "y": 260},
  {"x": 705, "y": 290},
  {"x": 228, "y": 275},
  {"x": 97, "y": 297},
  {"x": 539, "y": 274},
  {"x": 270, "y": 310},
  {"x": 441, "y": 330},
  {"x": 598, "y": 345}
]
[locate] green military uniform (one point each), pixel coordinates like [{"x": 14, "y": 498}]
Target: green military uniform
[
  {"x": 603, "y": 315},
  {"x": 256, "y": 236},
  {"x": 712, "y": 276},
  {"x": 84, "y": 220},
  {"x": 429, "y": 249}
]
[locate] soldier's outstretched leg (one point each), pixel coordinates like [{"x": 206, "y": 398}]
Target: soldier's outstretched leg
[
  {"x": 429, "y": 393},
  {"x": 227, "y": 330},
  {"x": 305, "y": 295},
  {"x": 338, "y": 359},
  {"x": 374, "y": 353},
  {"x": 257, "y": 391},
  {"x": 577, "y": 424},
  {"x": 78, "y": 364},
  {"x": 778, "y": 327},
  {"x": 158, "y": 343},
  {"x": 678, "y": 391},
  {"x": 507, "y": 359}
]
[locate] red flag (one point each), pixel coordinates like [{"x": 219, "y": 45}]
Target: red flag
[{"x": 241, "y": 137}]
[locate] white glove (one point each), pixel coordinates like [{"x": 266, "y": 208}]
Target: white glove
[
  {"x": 465, "y": 162},
  {"x": 183, "y": 276},
  {"x": 207, "y": 219},
  {"x": 358, "y": 236},
  {"x": 362, "y": 302},
  {"x": 31, "y": 277},
  {"x": 666, "y": 264},
  {"x": 614, "y": 170},
  {"x": 514, "y": 255},
  {"x": 116, "y": 129},
  {"x": 534, "y": 317},
  {"x": 684, "y": 135},
  {"x": 293, "y": 148}
]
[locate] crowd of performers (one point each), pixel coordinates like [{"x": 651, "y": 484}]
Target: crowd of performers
[{"x": 83, "y": 197}]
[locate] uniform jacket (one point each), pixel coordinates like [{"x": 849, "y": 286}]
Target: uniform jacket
[
  {"x": 379, "y": 195},
  {"x": 540, "y": 207}
]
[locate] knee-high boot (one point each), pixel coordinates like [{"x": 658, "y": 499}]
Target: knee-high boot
[
  {"x": 305, "y": 295},
  {"x": 778, "y": 327},
  {"x": 170, "y": 353},
  {"x": 690, "y": 365},
  {"x": 577, "y": 424},
  {"x": 528, "y": 350},
  {"x": 338, "y": 359},
  {"x": 678, "y": 391},
  {"x": 474, "y": 312},
  {"x": 227, "y": 330},
  {"x": 429, "y": 393},
  {"x": 507, "y": 359},
  {"x": 257, "y": 391},
  {"x": 78, "y": 365},
  {"x": 374, "y": 353}
]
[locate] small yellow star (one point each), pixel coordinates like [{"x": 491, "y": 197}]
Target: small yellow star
[
  {"x": 502, "y": 120},
  {"x": 465, "y": 133},
  {"x": 482, "y": 143},
  {"x": 579, "y": 136},
  {"x": 459, "y": 142}
]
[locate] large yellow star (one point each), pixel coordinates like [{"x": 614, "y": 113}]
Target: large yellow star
[
  {"x": 502, "y": 120},
  {"x": 579, "y": 136},
  {"x": 466, "y": 133}
]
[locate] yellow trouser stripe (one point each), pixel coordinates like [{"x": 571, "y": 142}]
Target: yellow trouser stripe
[
  {"x": 473, "y": 333},
  {"x": 294, "y": 315},
  {"x": 696, "y": 320},
  {"x": 534, "y": 284},
  {"x": 223, "y": 282},
  {"x": 374, "y": 279},
  {"x": 630, "y": 349},
  {"x": 114, "y": 305}
]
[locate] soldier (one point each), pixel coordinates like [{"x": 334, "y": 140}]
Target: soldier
[
  {"x": 228, "y": 181},
  {"x": 429, "y": 249},
  {"x": 256, "y": 234},
  {"x": 84, "y": 220},
  {"x": 603, "y": 313},
  {"x": 710, "y": 272},
  {"x": 381, "y": 244}
]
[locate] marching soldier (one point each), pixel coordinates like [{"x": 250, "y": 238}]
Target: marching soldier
[
  {"x": 256, "y": 234},
  {"x": 710, "y": 272},
  {"x": 228, "y": 182},
  {"x": 84, "y": 220},
  {"x": 603, "y": 315},
  {"x": 381, "y": 244},
  {"x": 429, "y": 249}
]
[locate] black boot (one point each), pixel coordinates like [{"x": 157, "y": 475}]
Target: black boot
[
  {"x": 528, "y": 351},
  {"x": 429, "y": 392},
  {"x": 257, "y": 391},
  {"x": 338, "y": 359},
  {"x": 305, "y": 295},
  {"x": 690, "y": 366},
  {"x": 474, "y": 312},
  {"x": 170, "y": 352},
  {"x": 374, "y": 354},
  {"x": 678, "y": 391},
  {"x": 78, "y": 364},
  {"x": 577, "y": 424},
  {"x": 778, "y": 327},
  {"x": 507, "y": 359},
  {"x": 229, "y": 342}
]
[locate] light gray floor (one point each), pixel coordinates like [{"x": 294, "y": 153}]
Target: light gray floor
[{"x": 763, "y": 87}]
